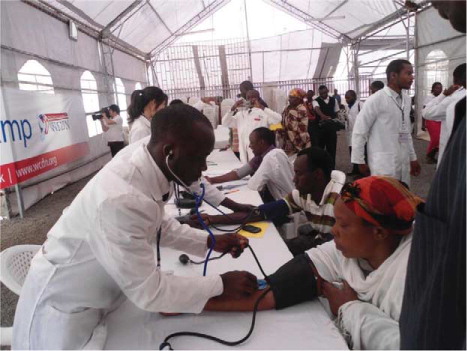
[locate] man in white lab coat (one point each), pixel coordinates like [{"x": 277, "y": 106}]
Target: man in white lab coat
[
  {"x": 101, "y": 251},
  {"x": 353, "y": 108},
  {"x": 441, "y": 108},
  {"x": 384, "y": 124},
  {"x": 246, "y": 117}
]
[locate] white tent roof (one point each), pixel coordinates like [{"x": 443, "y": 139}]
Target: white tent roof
[{"x": 150, "y": 25}]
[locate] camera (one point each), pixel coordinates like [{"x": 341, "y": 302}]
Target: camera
[{"x": 99, "y": 115}]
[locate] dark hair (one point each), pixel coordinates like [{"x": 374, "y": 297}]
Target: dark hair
[
  {"x": 179, "y": 120},
  {"x": 247, "y": 85},
  {"x": 140, "y": 98},
  {"x": 435, "y": 84},
  {"x": 114, "y": 108},
  {"x": 377, "y": 84},
  {"x": 351, "y": 92},
  {"x": 396, "y": 66},
  {"x": 459, "y": 74},
  {"x": 175, "y": 102},
  {"x": 318, "y": 159},
  {"x": 266, "y": 134},
  {"x": 322, "y": 87}
]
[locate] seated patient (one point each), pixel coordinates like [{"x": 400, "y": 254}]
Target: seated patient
[
  {"x": 361, "y": 272},
  {"x": 317, "y": 187},
  {"x": 270, "y": 169}
]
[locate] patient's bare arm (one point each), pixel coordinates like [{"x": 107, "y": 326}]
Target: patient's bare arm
[{"x": 220, "y": 303}]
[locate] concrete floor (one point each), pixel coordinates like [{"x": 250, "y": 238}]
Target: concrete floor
[{"x": 42, "y": 216}]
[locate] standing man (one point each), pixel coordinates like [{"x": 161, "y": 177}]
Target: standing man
[
  {"x": 353, "y": 108},
  {"x": 101, "y": 251},
  {"x": 375, "y": 86},
  {"x": 433, "y": 309},
  {"x": 384, "y": 124},
  {"x": 441, "y": 108},
  {"x": 112, "y": 125},
  {"x": 326, "y": 108},
  {"x": 337, "y": 97},
  {"x": 246, "y": 116},
  {"x": 433, "y": 127}
]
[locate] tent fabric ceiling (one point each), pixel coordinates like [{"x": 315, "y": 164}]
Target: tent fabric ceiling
[{"x": 148, "y": 23}]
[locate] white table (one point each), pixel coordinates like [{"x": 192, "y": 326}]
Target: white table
[{"x": 306, "y": 326}]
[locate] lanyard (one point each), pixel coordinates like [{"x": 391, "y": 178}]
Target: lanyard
[
  {"x": 401, "y": 108},
  {"x": 158, "y": 248}
]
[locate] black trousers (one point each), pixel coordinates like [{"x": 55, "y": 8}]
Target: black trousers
[
  {"x": 115, "y": 146},
  {"x": 327, "y": 140}
]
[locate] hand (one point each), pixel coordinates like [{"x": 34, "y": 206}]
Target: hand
[
  {"x": 237, "y": 104},
  {"x": 451, "y": 89},
  {"x": 233, "y": 243},
  {"x": 194, "y": 221},
  {"x": 415, "y": 168},
  {"x": 364, "y": 170},
  {"x": 208, "y": 179},
  {"x": 337, "y": 297},
  {"x": 325, "y": 118},
  {"x": 257, "y": 104},
  {"x": 238, "y": 284}
]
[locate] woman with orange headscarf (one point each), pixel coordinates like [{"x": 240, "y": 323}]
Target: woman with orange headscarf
[
  {"x": 361, "y": 272},
  {"x": 294, "y": 133}
]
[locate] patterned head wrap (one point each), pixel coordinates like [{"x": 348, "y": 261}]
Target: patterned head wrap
[
  {"x": 297, "y": 92},
  {"x": 382, "y": 201}
]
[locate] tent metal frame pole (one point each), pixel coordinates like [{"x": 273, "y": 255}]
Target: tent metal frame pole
[
  {"x": 306, "y": 18},
  {"x": 207, "y": 11},
  {"x": 19, "y": 198},
  {"x": 248, "y": 39},
  {"x": 355, "y": 48},
  {"x": 107, "y": 28}
]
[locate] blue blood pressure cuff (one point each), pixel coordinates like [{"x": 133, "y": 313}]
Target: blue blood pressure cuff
[
  {"x": 276, "y": 209},
  {"x": 294, "y": 282}
]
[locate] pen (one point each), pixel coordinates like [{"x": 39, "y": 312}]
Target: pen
[{"x": 232, "y": 191}]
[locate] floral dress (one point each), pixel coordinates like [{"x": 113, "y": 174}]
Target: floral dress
[{"x": 294, "y": 135}]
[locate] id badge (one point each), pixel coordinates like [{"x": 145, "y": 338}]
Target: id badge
[{"x": 403, "y": 138}]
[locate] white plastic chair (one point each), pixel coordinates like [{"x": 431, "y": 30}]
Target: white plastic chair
[
  {"x": 14, "y": 266},
  {"x": 15, "y": 262}
]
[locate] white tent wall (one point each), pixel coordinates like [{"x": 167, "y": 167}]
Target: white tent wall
[
  {"x": 434, "y": 33},
  {"x": 27, "y": 33}
]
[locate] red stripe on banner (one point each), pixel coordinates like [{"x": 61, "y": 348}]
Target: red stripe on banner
[{"x": 20, "y": 171}]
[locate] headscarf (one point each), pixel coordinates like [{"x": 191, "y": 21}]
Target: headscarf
[
  {"x": 297, "y": 92},
  {"x": 382, "y": 201}
]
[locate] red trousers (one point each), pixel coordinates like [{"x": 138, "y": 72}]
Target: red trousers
[{"x": 434, "y": 129}]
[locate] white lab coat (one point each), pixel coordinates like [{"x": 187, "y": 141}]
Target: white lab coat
[
  {"x": 101, "y": 252},
  {"x": 247, "y": 120},
  {"x": 115, "y": 132},
  {"x": 275, "y": 172},
  {"x": 389, "y": 142},
  {"x": 140, "y": 128},
  {"x": 143, "y": 134},
  {"x": 441, "y": 108},
  {"x": 351, "y": 118}
]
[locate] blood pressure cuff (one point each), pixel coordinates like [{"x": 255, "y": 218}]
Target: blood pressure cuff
[
  {"x": 275, "y": 209},
  {"x": 294, "y": 282}
]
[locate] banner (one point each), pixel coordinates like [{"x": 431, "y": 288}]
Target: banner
[{"x": 39, "y": 132}]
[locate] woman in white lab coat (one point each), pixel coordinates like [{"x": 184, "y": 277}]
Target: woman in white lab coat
[
  {"x": 144, "y": 105},
  {"x": 384, "y": 124}
]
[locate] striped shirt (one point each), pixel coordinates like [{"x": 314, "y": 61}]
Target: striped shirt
[{"x": 320, "y": 216}]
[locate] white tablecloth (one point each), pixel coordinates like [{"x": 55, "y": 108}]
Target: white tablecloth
[{"x": 306, "y": 326}]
